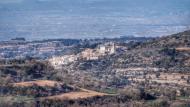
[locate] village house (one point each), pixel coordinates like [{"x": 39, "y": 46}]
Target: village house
[
  {"x": 89, "y": 54},
  {"x": 108, "y": 48},
  {"x": 62, "y": 60},
  {"x": 101, "y": 50}
]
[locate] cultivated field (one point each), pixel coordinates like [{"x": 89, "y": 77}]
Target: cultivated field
[
  {"x": 82, "y": 93},
  {"x": 170, "y": 78}
]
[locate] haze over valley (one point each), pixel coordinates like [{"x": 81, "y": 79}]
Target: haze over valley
[{"x": 43, "y": 19}]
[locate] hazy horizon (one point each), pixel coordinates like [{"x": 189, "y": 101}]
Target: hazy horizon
[{"x": 49, "y": 19}]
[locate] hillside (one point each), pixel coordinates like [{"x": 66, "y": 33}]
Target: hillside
[
  {"x": 169, "y": 54},
  {"x": 181, "y": 39},
  {"x": 150, "y": 73},
  {"x": 165, "y": 52}
]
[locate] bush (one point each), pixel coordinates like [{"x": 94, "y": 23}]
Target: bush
[
  {"x": 133, "y": 93},
  {"x": 158, "y": 103}
]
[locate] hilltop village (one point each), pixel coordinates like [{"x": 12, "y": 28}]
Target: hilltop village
[{"x": 87, "y": 54}]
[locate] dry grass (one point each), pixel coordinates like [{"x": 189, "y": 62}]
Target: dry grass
[
  {"x": 82, "y": 94},
  {"x": 77, "y": 95},
  {"x": 183, "y": 49},
  {"x": 41, "y": 83}
]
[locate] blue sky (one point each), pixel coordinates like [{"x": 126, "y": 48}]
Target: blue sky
[{"x": 41, "y": 19}]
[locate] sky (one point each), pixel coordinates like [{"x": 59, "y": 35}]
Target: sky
[{"x": 49, "y": 19}]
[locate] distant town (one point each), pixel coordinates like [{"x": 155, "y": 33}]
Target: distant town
[{"x": 21, "y": 48}]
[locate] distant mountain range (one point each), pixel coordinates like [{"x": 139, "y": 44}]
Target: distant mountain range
[{"x": 39, "y": 19}]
